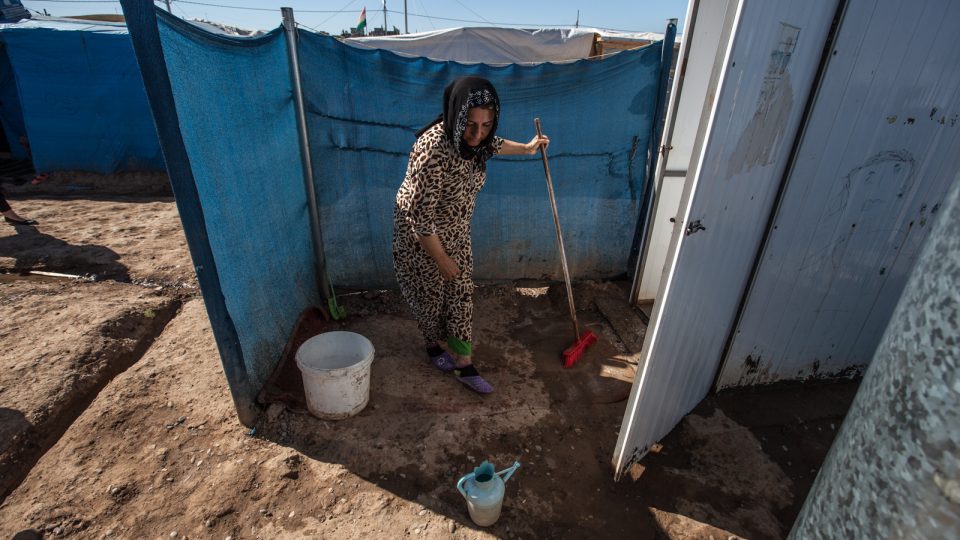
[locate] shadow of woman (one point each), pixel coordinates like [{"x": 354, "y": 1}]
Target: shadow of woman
[{"x": 34, "y": 250}]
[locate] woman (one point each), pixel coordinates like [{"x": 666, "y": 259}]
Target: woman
[
  {"x": 432, "y": 254},
  {"x": 12, "y": 217}
]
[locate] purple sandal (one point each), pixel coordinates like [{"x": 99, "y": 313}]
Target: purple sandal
[
  {"x": 444, "y": 362},
  {"x": 476, "y": 383}
]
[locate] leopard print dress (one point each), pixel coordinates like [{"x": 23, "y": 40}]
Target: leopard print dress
[{"x": 437, "y": 196}]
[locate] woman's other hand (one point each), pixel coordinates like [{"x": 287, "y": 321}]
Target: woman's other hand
[{"x": 448, "y": 269}]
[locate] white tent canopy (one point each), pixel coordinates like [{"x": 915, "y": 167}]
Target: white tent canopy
[{"x": 501, "y": 45}]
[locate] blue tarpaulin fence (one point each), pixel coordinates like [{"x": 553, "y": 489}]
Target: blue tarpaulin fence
[
  {"x": 365, "y": 105},
  {"x": 81, "y": 102},
  {"x": 224, "y": 111}
]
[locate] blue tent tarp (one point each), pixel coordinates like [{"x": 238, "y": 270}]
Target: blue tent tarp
[{"x": 81, "y": 97}]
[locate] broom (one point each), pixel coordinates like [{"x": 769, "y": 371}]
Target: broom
[{"x": 575, "y": 351}]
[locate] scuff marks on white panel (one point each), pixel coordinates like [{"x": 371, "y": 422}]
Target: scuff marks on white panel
[
  {"x": 877, "y": 155},
  {"x": 765, "y": 133}
]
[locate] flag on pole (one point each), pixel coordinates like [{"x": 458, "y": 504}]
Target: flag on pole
[{"x": 362, "y": 23}]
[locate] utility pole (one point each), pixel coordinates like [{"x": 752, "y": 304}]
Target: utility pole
[
  {"x": 384, "y": 17},
  {"x": 577, "y": 25},
  {"x": 406, "y": 27},
  {"x": 168, "y": 6}
]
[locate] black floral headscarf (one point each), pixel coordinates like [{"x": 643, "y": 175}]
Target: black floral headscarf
[{"x": 458, "y": 98}]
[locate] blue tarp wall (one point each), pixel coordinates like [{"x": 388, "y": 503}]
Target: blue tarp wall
[
  {"x": 81, "y": 97},
  {"x": 365, "y": 106},
  {"x": 224, "y": 110},
  {"x": 234, "y": 105}
]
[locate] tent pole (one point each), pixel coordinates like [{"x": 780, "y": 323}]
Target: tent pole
[{"x": 293, "y": 58}]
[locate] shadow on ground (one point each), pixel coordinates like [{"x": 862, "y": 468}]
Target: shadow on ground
[{"x": 34, "y": 250}]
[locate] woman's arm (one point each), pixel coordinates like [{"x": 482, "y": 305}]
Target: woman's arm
[{"x": 511, "y": 148}]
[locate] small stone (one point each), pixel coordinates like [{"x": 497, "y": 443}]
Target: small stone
[
  {"x": 57, "y": 531},
  {"x": 181, "y": 420},
  {"x": 209, "y": 523},
  {"x": 169, "y": 405},
  {"x": 228, "y": 538},
  {"x": 785, "y": 449},
  {"x": 329, "y": 490},
  {"x": 291, "y": 515},
  {"x": 108, "y": 532},
  {"x": 274, "y": 411},
  {"x": 539, "y": 449},
  {"x": 422, "y": 512},
  {"x": 263, "y": 511},
  {"x": 416, "y": 531},
  {"x": 173, "y": 534},
  {"x": 452, "y": 526}
]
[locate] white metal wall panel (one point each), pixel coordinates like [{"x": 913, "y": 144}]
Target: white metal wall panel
[
  {"x": 877, "y": 156},
  {"x": 770, "y": 70},
  {"x": 686, "y": 116}
]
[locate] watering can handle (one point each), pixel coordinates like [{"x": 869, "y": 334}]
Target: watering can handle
[
  {"x": 460, "y": 484},
  {"x": 509, "y": 470}
]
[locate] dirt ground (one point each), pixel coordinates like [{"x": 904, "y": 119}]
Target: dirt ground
[{"x": 116, "y": 421}]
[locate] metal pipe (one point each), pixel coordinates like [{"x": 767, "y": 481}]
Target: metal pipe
[
  {"x": 653, "y": 163},
  {"x": 290, "y": 29},
  {"x": 406, "y": 27}
]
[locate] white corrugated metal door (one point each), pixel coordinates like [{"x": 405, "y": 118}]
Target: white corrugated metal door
[
  {"x": 771, "y": 65},
  {"x": 877, "y": 155}
]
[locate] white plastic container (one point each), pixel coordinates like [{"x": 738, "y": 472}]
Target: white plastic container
[{"x": 336, "y": 373}]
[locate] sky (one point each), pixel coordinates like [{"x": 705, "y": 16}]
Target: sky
[{"x": 334, "y": 16}]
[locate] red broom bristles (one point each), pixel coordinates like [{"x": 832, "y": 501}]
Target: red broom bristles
[{"x": 575, "y": 351}]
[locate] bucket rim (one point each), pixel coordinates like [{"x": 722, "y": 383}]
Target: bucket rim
[{"x": 366, "y": 360}]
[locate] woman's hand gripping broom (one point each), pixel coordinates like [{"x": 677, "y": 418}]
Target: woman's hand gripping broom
[{"x": 575, "y": 351}]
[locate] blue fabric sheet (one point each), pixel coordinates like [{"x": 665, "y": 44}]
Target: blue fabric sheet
[
  {"x": 82, "y": 98},
  {"x": 365, "y": 106},
  {"x": 233, "y": 101}
]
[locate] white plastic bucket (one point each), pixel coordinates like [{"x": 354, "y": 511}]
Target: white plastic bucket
[{"x": 336, "y": 373}]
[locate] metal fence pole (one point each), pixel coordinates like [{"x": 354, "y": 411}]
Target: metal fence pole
[{"x": 293, "y": 58}]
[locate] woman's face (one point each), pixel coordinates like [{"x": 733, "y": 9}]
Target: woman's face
[{"x": 479, "y": 124}]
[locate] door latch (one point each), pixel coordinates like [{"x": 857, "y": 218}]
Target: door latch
[{"x": 695, "y": 226}]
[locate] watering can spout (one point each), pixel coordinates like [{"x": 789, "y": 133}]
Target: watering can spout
[{"x": 509, "y": 471}]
